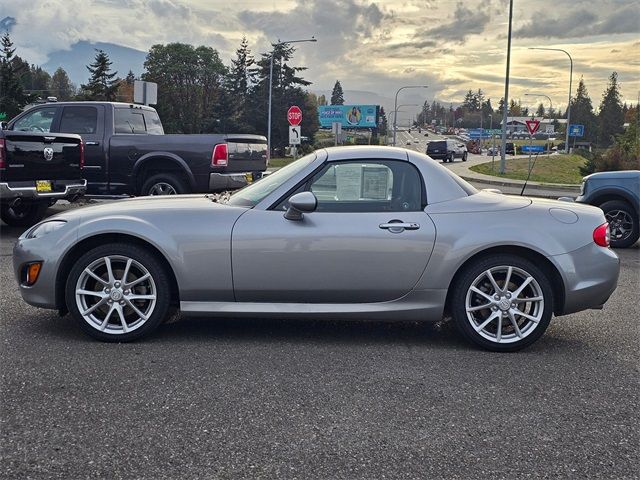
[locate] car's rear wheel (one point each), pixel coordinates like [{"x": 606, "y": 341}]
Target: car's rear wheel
[
  {"x": 23, "y": 214},
  {"x": 464, "y": 157},
  {"x": 164, "y": 184},
  {"x": 118, "y": 292},
  {"x": 623, "y": 223},
  {"x": 502, "y": 303}
]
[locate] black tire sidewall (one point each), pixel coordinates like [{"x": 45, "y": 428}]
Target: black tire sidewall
[
  {"x": 174, "y": 180},
  {"x": 463, "y": 282},
  {"x": 620, "y": 205},
  {"x": 150, "y": 262},
  {"x": 36, "y": 213}
]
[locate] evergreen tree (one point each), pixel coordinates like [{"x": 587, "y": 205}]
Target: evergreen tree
[
  {"x": 130, "y": 78},
  {"x": 501, "y": 108},
  {"x": 239, "y": 81},
  {"x": 103, "y": 84},
  {"x": 286, "y": 91},
  {"x": 61, "y": 86},
  {"x": 540, "y": 110},
  {"x": 337, "y": 96},
  {"x": 610, "y": 116},
  {"x": 582, "y": 112},
  {"x": 322, "y": 100},
  {"x": 12, "y": 96}
]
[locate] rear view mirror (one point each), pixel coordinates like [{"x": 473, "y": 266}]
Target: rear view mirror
[{"x": 300, "y": 203}]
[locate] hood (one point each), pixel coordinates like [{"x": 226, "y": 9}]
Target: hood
[{"x": 144, "y": 205}]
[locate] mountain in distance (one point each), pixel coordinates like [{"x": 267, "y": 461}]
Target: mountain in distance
[{"x": 81, "y": 54}]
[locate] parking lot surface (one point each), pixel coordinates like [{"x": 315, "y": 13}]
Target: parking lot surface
[{"x": 301, "y": 399}]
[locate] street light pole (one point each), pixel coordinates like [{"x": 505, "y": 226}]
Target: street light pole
[
  {"x": 276, "y": 45},
  {"x": 395, "y": 107},
  {"x": 505, "y": 105},
  {"x": 566, "y": 142}
]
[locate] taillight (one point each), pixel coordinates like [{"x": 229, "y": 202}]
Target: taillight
[
  {"x": 601, "y": 235},
  {"x": 219, "y": 157},
  {"x": 3, "y": 160},
  {"x": 81, "y": 155}
]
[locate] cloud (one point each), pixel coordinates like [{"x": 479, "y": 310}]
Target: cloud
[
  {"x": 582, "y": 23},
  {"x": 7, "y": 23},
  {"x": 464, "y": 22}
]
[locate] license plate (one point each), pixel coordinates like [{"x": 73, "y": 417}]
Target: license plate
[
  {"x": 43, "y": 186},
  {"x": 249, "y": 177}
]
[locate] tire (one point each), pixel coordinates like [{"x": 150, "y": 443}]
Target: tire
[
  {"x": 464, "y": 157},
  {"x": 623, "y": 223},
  {"x": 169, "y": 183},
  {"x": 111, "y": 307},
  {"x": 480, "y": 325},
  {"x": 24, "y": 215}
]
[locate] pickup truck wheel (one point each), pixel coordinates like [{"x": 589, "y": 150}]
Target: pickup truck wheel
[
  {"x": 623, "y": 223},
  {"x": 464, "y": 157},
  {"x": 164, "y": 184},
  {"x": 23, "y": 214}
]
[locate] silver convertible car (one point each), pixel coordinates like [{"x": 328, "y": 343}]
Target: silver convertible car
[{"x": 351, "y": 232}]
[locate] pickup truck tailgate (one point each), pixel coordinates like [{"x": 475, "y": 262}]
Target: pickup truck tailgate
[
  {"x": 246, "y": 155},
  {"x": 40, "y": 156}
]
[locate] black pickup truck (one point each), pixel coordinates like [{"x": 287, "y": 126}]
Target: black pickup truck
[
  {"x": 36, "y": 169},
  {"x": 127, "y": 152}
]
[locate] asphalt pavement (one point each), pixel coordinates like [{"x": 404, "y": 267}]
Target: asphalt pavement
[{"x": 328, "y": 400}]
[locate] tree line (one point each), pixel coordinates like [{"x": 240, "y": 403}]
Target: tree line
[{"x": 197, "y": 92}]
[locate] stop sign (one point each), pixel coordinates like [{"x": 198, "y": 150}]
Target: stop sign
[{"x": 294, "y": 115}]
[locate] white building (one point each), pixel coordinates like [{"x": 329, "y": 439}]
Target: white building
[{"x": 518, "y": 124}]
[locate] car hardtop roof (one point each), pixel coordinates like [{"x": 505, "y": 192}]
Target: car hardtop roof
[{"x": 359, "y": 152}]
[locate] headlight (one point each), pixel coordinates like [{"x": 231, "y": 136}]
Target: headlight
[{"x": 46, "y": 227}]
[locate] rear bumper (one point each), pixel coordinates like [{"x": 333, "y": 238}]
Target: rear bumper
[
  {"x": 590, "y": 276},
  {"x": 231, "y": 181},
  {"x": 27, "y": 190}
]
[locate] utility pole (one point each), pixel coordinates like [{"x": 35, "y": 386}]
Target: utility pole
[{"x": 505, "y": 113}]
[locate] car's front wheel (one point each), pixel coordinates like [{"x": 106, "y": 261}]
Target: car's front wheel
[
  {"x": 118, "y": 292},
  {"x": 623, "y": 223},
  {"x": 502, "y": 303}
]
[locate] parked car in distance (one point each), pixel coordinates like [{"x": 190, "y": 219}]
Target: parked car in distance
[
  {"x": 618, "y": 195},
  {"x": 36, "y": 170},
  {"x": 345, "y": 232},
  {"x": 510, "y": 149},
  {"x": 127, "y": 152},
  {"x": 447, "y": 150}
]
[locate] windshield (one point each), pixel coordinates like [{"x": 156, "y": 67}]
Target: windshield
[{"x": 250, "y": 196}]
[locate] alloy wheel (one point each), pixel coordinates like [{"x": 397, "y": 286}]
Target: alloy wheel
[
  {"x": 162, "y": 188},
  {"x": 504, "y": 304},
  {"x": 115, "y": 294},
  {"x": 620, "y": 224}
]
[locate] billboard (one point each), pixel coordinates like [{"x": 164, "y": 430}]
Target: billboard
[{"x": 349, "y": 116}]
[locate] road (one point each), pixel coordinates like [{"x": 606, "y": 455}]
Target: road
[
  {"x": 331, "y": 400},
  {"x": 418, "y": 142}
]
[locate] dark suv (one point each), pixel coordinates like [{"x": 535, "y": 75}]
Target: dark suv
[
  {"x": 618, "y": 195},
  {"x": 447, "y": 150}
]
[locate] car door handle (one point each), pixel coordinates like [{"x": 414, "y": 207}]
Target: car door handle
[
  {"x": 397, "y": 227},
  {"x": 92, "y": 143}
]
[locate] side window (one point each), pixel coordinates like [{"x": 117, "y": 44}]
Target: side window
[
  {"x": 37, "y": 121},
  {"x": 129, "y": 121},
  {"x": 79, "y": 120},
  {"x": 152, "y": 122},
  {"x": 368, "y": 186}
]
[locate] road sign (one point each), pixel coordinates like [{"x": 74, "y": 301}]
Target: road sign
[
  {"x": 145, "y": 92},
  {"x": 294, "y": 134},
  {"x": 549, "y": 129},
  {"x": 294, "y": 115},
  {"x": 576, "y": 130},
  {"x": 533, "y": 126},
  {"x": 532, "y": 148},
  {"x": 479, "y": 133}
]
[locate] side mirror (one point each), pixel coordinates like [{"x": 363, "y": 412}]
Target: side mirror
[{"x": 300, "y": 203}]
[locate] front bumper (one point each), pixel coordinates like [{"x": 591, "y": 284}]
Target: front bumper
[
  {"x": 590, "y": 276},
  {"x": 231, "y": 181},
  {"x": 27, "y": 190}
]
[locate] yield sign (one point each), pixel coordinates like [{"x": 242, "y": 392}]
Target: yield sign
[{"x": 533, "y": 126}]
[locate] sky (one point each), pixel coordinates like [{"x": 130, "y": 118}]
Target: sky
[{"x": 374, "y": 46}]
